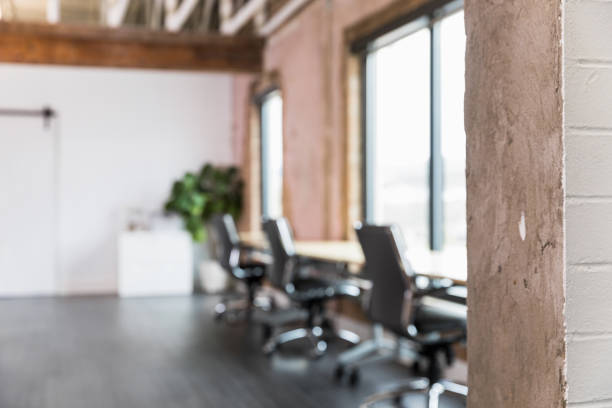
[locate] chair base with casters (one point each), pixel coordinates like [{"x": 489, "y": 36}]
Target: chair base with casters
[
  {"x": 375, "y": 350},
  {"x": 433, "y": 392},
  {"x": 239, "y": 309},
  {"x": 311, "y": 295},
  {"x": 275, "y": 317},
  {"x": 317, "y": 335},
  {"x": 434, "y": 354},
  {"x": 382, "y": 349},
  {"x": 236, "y": 309}
]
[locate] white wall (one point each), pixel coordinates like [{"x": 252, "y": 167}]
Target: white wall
[
  {"x": 124, "y": 136},
  {"x": 27, "y": 207},
  {"x": 588, "y": 144}
]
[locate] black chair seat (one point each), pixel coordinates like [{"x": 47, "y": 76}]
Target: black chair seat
[
  {"x": 249, "y": 272},
  {"x": 252, "y": 265},
  {"x": 432, "y": 319},
  {"x": 316, "y": 289}
]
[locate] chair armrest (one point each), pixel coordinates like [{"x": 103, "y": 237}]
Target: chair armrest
[
  {"x": 443, "y": 289},
  {"x": 455, "y": 294}
]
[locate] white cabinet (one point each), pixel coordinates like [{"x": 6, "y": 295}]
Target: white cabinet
[{"x": 155, "y": 263}]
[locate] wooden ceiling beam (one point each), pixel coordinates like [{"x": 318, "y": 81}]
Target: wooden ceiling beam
[{"x": 103, "y": 47}]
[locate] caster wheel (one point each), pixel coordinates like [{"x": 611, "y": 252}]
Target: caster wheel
[
  {"x": 319, "y": 350},
  {"x": 220, "y": 310},
  {"x": 269, "y": 349},
  {"x": 339, "y": 372},
  {"x": 354, "y": 378},
  {"x": 397, "y": 401}
]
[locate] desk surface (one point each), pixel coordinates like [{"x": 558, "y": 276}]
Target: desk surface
[{"x": 448, "y": 264}]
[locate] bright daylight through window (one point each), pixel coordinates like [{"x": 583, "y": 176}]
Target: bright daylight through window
[
  {"x": 272, "y": 154},
  {"x": 415, "y": 139}
]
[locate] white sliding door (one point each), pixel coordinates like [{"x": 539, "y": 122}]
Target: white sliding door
[{"x": 27, "y": 207}]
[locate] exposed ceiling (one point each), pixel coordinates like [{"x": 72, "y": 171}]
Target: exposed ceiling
[
  {"x": 82, "y": 11},
  {"x": 230, "y": 17}
]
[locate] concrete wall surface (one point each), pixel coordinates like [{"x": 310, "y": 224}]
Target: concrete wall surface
[{"x": 513, "y": 117}]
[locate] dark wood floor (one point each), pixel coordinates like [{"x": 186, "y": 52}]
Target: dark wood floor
[{"x": 154, "y": 353}]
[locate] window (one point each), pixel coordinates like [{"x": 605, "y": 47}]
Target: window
[
  {"x": 414, "y": 135},
  {"x": 272, "y": 154}
]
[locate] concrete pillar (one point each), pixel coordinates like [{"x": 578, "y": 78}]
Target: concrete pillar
[{"x": 515, "y": 209}]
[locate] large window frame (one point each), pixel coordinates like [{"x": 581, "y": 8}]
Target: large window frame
[{"x": 432, "y": 20}]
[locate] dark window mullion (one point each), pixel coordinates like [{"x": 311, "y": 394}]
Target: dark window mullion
[{"x": 436, "y": 231}]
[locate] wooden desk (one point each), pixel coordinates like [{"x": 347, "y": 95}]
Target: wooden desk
[{"x": 448, "y": 264}]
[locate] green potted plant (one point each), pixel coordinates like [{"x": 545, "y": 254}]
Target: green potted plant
[{"x": 195, "y": 198}]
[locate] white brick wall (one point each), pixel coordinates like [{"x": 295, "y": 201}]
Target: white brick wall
[
  {"x": 588, "y": 148},
  {"x": 588, "y": 229}
]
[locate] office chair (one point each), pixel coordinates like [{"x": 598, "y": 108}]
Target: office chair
[
  {"x": 381, "y": 348},
  {"x": 395, "y": 303},
  {"x": 309, "y": 292},
  {"x": 228, "y": 252}
]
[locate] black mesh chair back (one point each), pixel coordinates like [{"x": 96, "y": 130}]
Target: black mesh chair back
[
  {"x": 226, "y": 239},
  {"x": 391, "y": 275},
  {"x": 280, "y": 238}
]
